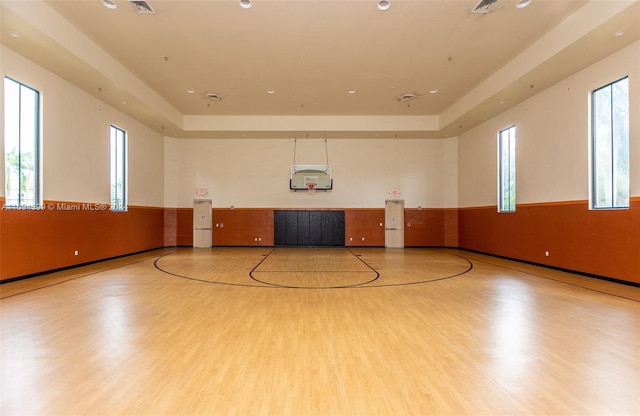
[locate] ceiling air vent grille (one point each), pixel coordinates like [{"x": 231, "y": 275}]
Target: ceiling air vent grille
[
  {"x": 142, "y": 7},
  {"x": 213, "y": 96},
  {"x": 408, "y": 97},
  {"x": 483, "y": 6}
]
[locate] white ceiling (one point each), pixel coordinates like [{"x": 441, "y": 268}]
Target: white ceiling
[{"x": 311, "y": 53}]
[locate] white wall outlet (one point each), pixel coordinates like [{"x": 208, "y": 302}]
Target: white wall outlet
[
  {"x": 546, "y": 253},
  {"x": 75, "y": 253}
]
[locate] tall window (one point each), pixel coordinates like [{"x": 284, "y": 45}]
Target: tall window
[
  {"x": 118, "y": 158},
  {"x": 21, "y": 144},
  {"x": 610, "y": 145},
  {"x": 507, "y": 170}
]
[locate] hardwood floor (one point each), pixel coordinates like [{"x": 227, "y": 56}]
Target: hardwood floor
[{"x": 363, "y": 331}]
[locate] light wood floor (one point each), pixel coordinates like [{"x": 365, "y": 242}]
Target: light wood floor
[{"x": 262, "y": 331}]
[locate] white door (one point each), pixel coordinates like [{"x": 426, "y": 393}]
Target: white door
[
  {"x": 394, "y": 223},
  {"x": 202, "y": 223}
]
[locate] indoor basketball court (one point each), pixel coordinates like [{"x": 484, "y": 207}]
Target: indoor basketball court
[
  {"x": 330, "y": 331},
  {"x": 314, "y": 207}
]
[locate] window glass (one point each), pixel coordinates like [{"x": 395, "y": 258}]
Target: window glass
[
  {"x": 507, "y": 170},
  {"x": 610, "y": 145},
  {"x": 118, "y": 168},
  {"x": 21, "y": 144}
]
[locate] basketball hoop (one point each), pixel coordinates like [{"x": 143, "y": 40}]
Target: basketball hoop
[{"x": 311, "y": 187}]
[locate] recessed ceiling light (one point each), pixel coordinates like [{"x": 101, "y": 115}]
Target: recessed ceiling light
[
  {"x": 433, "y": 91},
  {"x": 523, "y": 3},
  {"x": 14, "y": 35},
  {"x": 271, "y": 91},
  {"x": 352, "y": 91},
  {"x": 245, "y": 4},
  {"x": 109, "y": 4},
  {"x": 384, "y": 4},
  {"x": 618, "y": 33}
]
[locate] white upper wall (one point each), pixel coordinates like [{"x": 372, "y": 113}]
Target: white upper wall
[
  {"x": 75, "y": 141},
  {"x": 256, "y": 172},
  {"x": 239, "y": 172},
  {"x": 552, "y": 159},
  {"x": 552, "y": 144}
]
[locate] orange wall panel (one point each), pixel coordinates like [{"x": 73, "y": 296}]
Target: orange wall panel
[
  {"x": 451, "y": 227},
  {"x": 243, "y": 227},
  {"x": 363, "y": 227},
  {"x": 170, "y": 227},
  {"x": 34, "y": 241},
  {"x": 600, "y": 242},
  {"x": 424, "y": 227},
  {"x": 184, "y": 227},
  {"x": 254, "y": 227}
]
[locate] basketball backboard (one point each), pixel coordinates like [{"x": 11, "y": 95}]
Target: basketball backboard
[{"x": 303, "y": 175}]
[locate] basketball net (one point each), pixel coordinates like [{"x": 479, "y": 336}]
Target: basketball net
[{"x": 311, "y": 187}]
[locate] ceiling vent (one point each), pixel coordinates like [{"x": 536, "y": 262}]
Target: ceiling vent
[
  {"x": 408, "y": 97},
  {"x": 213, "y": 96},
  {"x": 483, "y": 6},
  {"x": 142, "y": 7}
]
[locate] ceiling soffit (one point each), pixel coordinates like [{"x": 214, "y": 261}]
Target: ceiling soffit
[{"x": 336, "y": 69}]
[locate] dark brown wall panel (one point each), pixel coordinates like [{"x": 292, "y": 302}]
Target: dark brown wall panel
[{"x": 305, "y": 227}]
